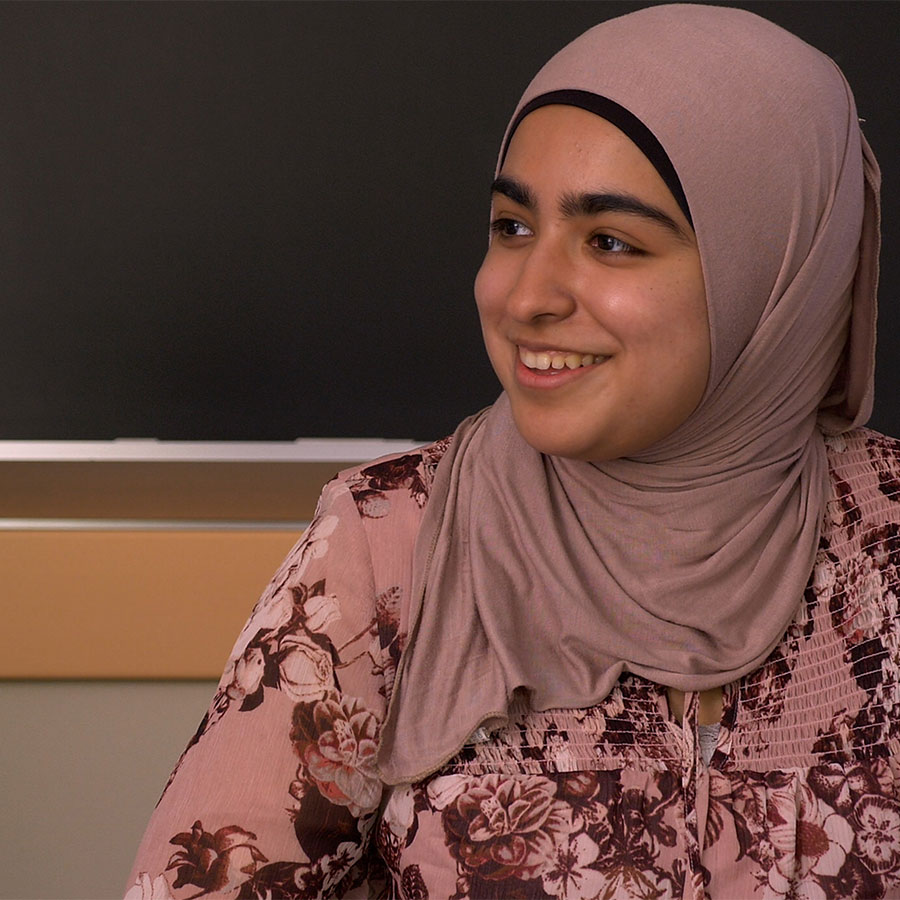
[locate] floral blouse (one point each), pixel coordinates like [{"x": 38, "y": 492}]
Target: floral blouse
[{"x": 277, "y": 795}]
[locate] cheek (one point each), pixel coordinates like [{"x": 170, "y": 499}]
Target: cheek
[
  {"x": 668, "y": 332},
  {"x": 688, "y": 356},
  {"x": 695, "y": 323},
  {"x": 489, "y": 289},
  {"x": 488, "y": 298}
]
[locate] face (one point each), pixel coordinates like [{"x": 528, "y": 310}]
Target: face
[{"x": 591, "y": 294}]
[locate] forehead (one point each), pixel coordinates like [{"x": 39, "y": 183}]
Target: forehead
[{"x": 558, "y": 149}]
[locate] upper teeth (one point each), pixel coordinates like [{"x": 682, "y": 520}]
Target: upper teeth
[{"x": 556, "y": 359}]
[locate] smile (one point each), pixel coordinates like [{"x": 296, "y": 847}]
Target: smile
[{"x": 557, "y": 359}]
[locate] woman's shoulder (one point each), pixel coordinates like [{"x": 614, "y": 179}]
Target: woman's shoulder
[
  {"x": 396, "y": 479},
  {"x": 865, "y": 458},
  {"x": 863, "y": 509},
  {"x": 860, "y": 440}
]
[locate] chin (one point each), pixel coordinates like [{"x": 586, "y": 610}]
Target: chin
[{"x": 555, "y": 440}]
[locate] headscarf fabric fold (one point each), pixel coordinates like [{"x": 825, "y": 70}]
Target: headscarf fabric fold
[{"x": 686, "y": 562}]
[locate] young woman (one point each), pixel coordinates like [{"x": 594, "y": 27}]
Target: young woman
[{"x": 630, "y": 632}]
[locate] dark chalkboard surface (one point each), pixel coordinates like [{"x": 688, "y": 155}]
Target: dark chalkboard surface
[{"x": 255, "y": 221}]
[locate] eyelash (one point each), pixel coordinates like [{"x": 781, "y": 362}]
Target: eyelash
[
  {"x": 501, "y": 227},
  {"x": 626, "y": 250}
]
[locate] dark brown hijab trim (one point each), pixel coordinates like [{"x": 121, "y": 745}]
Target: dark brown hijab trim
[{"x": 625, "y": 120}]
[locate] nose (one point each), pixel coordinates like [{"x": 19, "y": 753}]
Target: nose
[{"x": 543, "y": 287}]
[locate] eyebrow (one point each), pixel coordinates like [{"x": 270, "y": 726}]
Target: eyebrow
[{"x": 590, "y": 204}]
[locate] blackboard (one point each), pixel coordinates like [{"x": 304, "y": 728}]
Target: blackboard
[{"x": 261, "y": 221}]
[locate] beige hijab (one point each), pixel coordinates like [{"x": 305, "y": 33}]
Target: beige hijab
[{"x": 686, "y": 563}]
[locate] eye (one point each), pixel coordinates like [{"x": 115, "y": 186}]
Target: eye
[
  {"x": 509, "y": 228},
  {"x": 609, "y": 244}
]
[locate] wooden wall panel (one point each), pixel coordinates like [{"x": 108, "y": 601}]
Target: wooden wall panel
[
  {"x": 178, "y": 490},
  {"x": 130, "y": 604}
]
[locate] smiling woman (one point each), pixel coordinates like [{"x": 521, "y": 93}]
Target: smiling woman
[
  {"x": 631, "y": 631},
  {"x": 591, "y": 256}
]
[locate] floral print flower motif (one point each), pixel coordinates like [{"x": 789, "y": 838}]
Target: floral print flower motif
[
  {"x": 443, "y": 790},
  {"x": 145, "y": 889},
  {"x": 389, "y": 847},
  {"x": 834, "y": 740},
  {"x": 861, "y": 612},
  {"x": 277, "y": 605},
  {"x": 219, "y": 861},
  {"x": 882, "y": 544},
  {"x": 412, "y": 885},
  {"x": 621, "y": 721},
  {"x": 288, "y": 607},
  {"x": 400, "y": 811},
  {"x": 320, "y": 610},
  {"x": 570, "y": 874},
  {"x": 315, "y": 541},
  {"x": 854, "y": 882},
  {"x": 296, "y": 657},
  {"x": 284, "y": 880},
  {"x": 505, "y": 826},
  {"x": 878, "y": 833},
  {"x": 387, "y": 615},
  {"x": 742, "y": 795},
  {"x": 589, "y": 795},
  {"x": 337, "y": 865},
  {"x": 852, "y": 515},
  {"x": 810, "y": 841},
  {"x": 636, "y": 828},
  {"x": 326, "y": 876},
  {"x": 399, "y": 472},
  {"x": 249, "y": 670},
  {"x": 823, "y": 579},
  {"x": 624, "y": 882},
  {"x": 883, "y": 772},
  {"x": 840, "y": 785},
  {"x": 338, "y": 748},
  {"x": 867, "y": 660},
  {"x": 305, "y": 669},
  {"x": 371, "y": 504},
  {"x": 762, "y": 692},
  {"x": 580, "y": 786},
  {"x": 432, "y": 454},
  {"x": 884, "y": 457}
]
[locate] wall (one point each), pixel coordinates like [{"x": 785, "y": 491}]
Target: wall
[{"x": 83, "y": 764}]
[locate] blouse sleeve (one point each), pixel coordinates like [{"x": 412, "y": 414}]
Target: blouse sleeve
[{"x": 276, "y": 794}]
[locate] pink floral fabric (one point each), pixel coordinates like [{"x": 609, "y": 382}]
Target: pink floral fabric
[{"x": 277, "y": 794}]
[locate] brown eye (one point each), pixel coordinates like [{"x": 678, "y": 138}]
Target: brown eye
[
  {"x": 609, "y": 244},
  {"x": 509, "y": 228}
]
